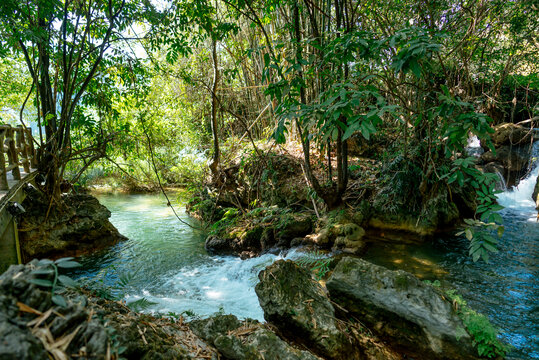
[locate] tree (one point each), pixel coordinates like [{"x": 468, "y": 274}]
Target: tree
[{"x": 64, "y": 45}]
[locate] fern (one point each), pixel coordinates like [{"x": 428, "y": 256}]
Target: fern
[
  {"x": 140, "y": 304},
  {"x": 317, "y": 262}
]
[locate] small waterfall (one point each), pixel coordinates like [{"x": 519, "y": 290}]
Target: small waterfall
[
  {"x": 474, "y": 147},
  {"x": 520, "y": 197},
  {"x": 501, "y": 184}
]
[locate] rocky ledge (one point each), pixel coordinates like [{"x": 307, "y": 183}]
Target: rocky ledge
[
  {"x": 366, "y": 312},
  {"x": 77, "y": 225}
]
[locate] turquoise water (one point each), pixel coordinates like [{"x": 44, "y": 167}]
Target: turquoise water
[{"x": 168, "y": 264}]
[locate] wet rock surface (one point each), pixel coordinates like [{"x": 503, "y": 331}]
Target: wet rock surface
[
  {"x": 253, "y": 237},
  {"x": 78, "y": 225},
  {"x": 401, "y": 309},
  {"x": 509, "y": 134},
  {"x": 297, "y": 305},
  {"x": 535, "y": 195},
  {"x": 511, "y": 155}
]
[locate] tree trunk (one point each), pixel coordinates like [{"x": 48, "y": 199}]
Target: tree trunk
[{"x": 214, "y": 164}]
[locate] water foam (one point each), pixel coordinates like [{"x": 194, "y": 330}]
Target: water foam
[
  {"x": 226, "y": 284},
  {"x": 519, "y": 198}
]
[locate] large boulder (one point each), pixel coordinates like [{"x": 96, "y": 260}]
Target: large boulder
[
  {"x": 409, "y": 314},
  {"x": 246, "y": 340},
  {"x": 78, "y": 225},
  {"x": 296, "y": 304}
]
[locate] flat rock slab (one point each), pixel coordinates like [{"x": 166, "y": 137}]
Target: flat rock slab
[{"x": 398, "y": 307}]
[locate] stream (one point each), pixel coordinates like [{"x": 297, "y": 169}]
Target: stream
[{"x": 168, "y": 266}]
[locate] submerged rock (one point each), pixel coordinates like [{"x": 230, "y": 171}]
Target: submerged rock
[
  {"x": 410, "y": 315},
  {"x": 80, "y": 224},
  {"x": 297, "y": 305}
]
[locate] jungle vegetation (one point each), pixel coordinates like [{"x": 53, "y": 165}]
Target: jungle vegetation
[{"x": 125, "y": 87}]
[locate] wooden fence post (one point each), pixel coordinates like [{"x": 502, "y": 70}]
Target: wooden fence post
[
  {"x": 21, "y": 146},
  {"x": 31, "y": 149},
  {"x": 12, "y": 153},
  {"x": 3, "y": 176}
]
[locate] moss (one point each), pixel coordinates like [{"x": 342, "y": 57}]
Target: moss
[{"x": 401, "y": 281}]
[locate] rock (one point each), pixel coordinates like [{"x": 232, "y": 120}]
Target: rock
[
  {"x": 299, "y": 308},
  {"x": 246, "y": 340},
  {"x": 248, "y": 238},
  {"x": 401, "y": 309},
  {"x": 294, "y": 227},
  {"x": 16, "y": 342},
  {"x": 511, "y": 158},
  {"x": 88, "y": 327},
  {"x": 535, "y": 195},
  {"x": 509, "y": 134},
  {"x": 440, "y": 211},
  {"x": 77, "y": 226},
  {"x": 217, "y": 245},
  {"x": 341, "y": 232}
]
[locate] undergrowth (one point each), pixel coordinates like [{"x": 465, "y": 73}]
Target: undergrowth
[{"x": 484, "y": 334}]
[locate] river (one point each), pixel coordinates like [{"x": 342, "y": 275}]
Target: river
[{"x": 169, "y": 266}]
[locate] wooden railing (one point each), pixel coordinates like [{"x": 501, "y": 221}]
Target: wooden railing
[{"x": 18, "y": 144}]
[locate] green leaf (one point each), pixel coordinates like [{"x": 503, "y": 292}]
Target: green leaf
[
  {"x": 68, "y": 264},
  {"x": 41, "y": 282},
  {"x": 63, "y": 259},
  {"x": 59, "y": 300},
  {"x": 416, "y": 69},
  {"x": 67, "y": 281},
  {"x": 43, "y": 271},
  {"x": 43, "y": 262}
]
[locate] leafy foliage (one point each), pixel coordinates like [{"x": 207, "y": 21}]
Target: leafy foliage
[
  {"x": 47, "y": 269},
  {"x": 484, "y": 335}
]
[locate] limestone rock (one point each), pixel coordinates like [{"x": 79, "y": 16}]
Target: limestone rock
[
  {"x": 79, "y": 225},
  {"x": 401, "y": 309},
  {"x": 299, "y": 308},
  {"x": 512, "y": 158},
  {"x": 509, "y": 133},
  {"x": 340, "y": 234},
  {"x": 247, "y": 340}
]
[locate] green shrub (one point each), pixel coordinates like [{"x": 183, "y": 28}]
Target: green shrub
[{"x": 484, "y": 334}]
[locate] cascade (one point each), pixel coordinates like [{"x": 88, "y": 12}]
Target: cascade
[{"x": 519, "y": 198}]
